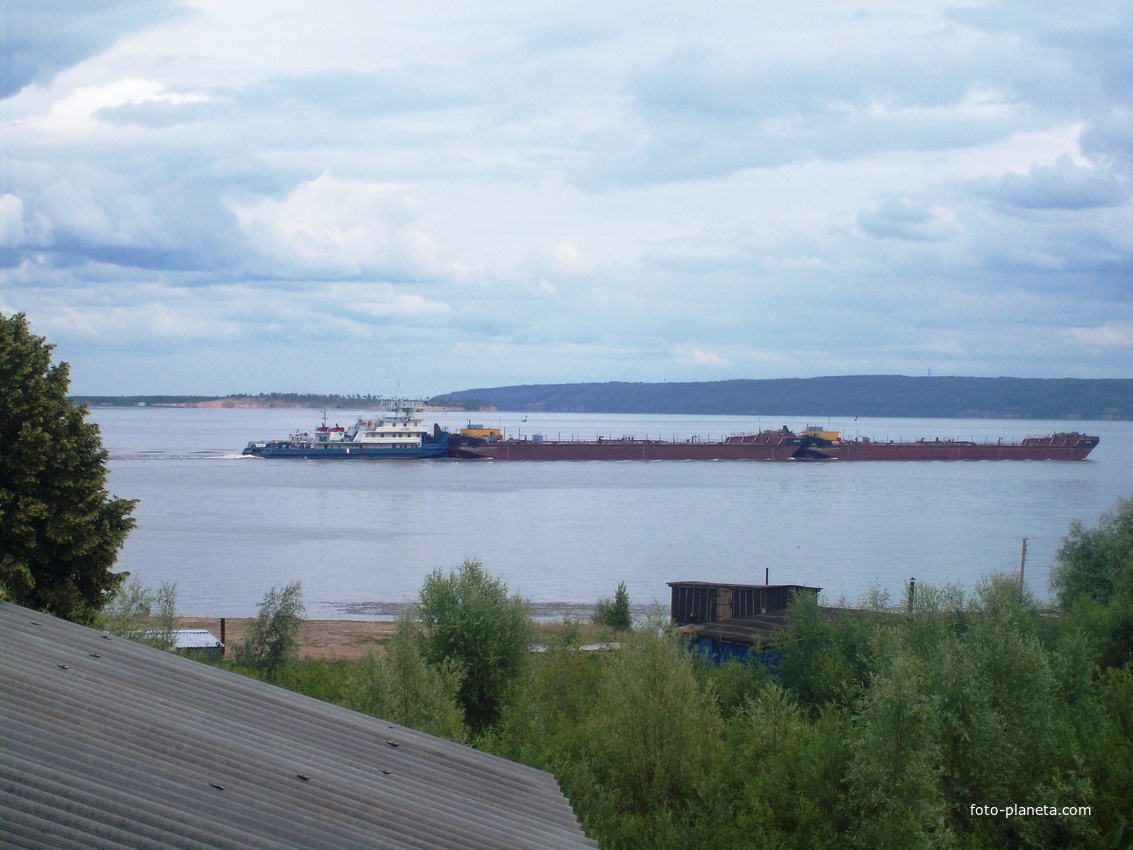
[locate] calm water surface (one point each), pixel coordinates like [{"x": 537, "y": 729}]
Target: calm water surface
[{"x": 362, "y": 536}]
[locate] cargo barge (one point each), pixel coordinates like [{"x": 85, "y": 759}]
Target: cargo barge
[{"x": 812, "y": 444}]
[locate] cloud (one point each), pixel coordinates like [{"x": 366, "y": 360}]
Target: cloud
[
  {"x": 90, "y": 214},
  {"x": 338, "y": 228},
  {"x": 905, "y": 219},
  {"x": 706, "y": 358},
  {"x": 44, "y": 37},
  {"x": 588, "y": 193},
  {"x": 16, "y": 231},
  {"x": 384, "y": 302},
  {"x": 1112, "y": 335},
  {"x": 1061, "y": 186},
  {"x": 84, "y": 103}
]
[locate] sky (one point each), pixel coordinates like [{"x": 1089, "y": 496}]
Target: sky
[{"x": 411, "y": 198}]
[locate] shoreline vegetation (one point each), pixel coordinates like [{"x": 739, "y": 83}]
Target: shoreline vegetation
[
  {"x": 884, "y": 726},
  {"x": 888, "y": 724},
  {"x": 943, "y": 397}
]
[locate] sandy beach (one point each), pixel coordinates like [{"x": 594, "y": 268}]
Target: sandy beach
[{"x": 345, "y": 639}]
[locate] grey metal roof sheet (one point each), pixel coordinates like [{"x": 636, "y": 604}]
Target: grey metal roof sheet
[
  {"x": 757, "y": 629},
  {"x": 195, "y": 639},
  {"x": 105, "y": 743}
]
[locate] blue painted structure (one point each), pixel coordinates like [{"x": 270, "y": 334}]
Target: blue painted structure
[
  {"x": 430, "y": 447},
  {"x": 729, "y": 622}
]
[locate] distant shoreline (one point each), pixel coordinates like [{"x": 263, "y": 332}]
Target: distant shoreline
[
  {"x": 252, "y": 403},
  {"x": 885, "y": 396}
]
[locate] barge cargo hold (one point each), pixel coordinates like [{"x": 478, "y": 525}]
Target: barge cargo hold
[{"x": 781, "y": 445}]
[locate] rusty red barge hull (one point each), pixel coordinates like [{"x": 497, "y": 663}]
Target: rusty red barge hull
[
  {"x": 779, "y": 446},
  {"x": 1055, "y": 447}
]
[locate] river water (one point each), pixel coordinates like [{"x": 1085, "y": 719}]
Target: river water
[{"x": 362, "y": 536}]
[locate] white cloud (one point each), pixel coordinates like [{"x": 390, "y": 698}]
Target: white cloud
[
  {"x": 79, "y": 110},
  {"x": 383, "y": 301},
  {"x": 340, "y": 228},
  {"x": 803, "y": 263},
  {"x": 584, "y": 191},
  {"x": 1112, "y": 335},
  {"x": 706, "y": 358}
]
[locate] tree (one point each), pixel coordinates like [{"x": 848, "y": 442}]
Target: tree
[
  {"x": 655, "y": 732},
  {"x": 470, "y": 620},
  {"x": 894, "y": 775},
  {"x": 140, "y": 614},
  {"x": 616, "y": 614},
  {"x": 1096, "y": 563},
  {"x": 1093, "y": 581},
  {"x": 401, "y": 688},
  {"x": 272, "y": 639},
  {"x": 60, "y": 530},
  {"x": 789, "y": 769}
]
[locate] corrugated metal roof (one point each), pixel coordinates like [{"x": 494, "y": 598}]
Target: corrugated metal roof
[
  {"x": 105, "y": 743},
  {"x": 755, "y": 630}
]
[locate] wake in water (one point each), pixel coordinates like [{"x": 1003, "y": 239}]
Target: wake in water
[{"x": 118, "y": 455}]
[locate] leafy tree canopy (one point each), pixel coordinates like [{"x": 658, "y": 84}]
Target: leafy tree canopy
[
  {"x": 1096, "y": 563},
  {"x": 471, "y": 622},
  {"x": 615, "y": 613},
  {"x": 272, "y": 641},
  {"x": 1093, "y": 581},
  {"x": 400, "y": 687},
  {"x": 60, "y": 530}
]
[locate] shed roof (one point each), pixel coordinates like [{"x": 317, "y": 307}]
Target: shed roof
[
  {"x": 753, "y": 630},
  {"x": 737, "y": 585},
  {"x": 105, "y": 743},
  {"x": 195, "y": 639}
]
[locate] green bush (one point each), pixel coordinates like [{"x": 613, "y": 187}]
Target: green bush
[
  {"x": 541, "y": 723},
  {"x": 139, "y": 614},
  {"x": 401, "y": 688},
  {"x": 271, "y": 641},
  {"x": 894, "y": 792},
  {"x": 1096, "y": 563},
  {"x": 826, "y": 655},
  {"x": 887, "y": 726},
  {"x": 1093, "y": 582},
  {"x": 473, "y": 626},
  {"x": 655, "y": 731},
  {"x": 615, "y": 613},
  {"x": 788, "y": 771}
]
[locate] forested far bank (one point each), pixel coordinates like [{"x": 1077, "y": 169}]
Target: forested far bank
[
  {"x": 850, "y": 395},
  {"x": 1067, "y": 399}
]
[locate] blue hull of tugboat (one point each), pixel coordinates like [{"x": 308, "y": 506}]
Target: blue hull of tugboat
[{"x": 436, "y": 447}]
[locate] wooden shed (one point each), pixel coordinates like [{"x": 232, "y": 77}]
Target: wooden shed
[{"x": 699, "y": 602}]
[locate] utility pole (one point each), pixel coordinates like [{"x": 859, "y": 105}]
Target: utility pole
[{"x": 1022, "y": 563}]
